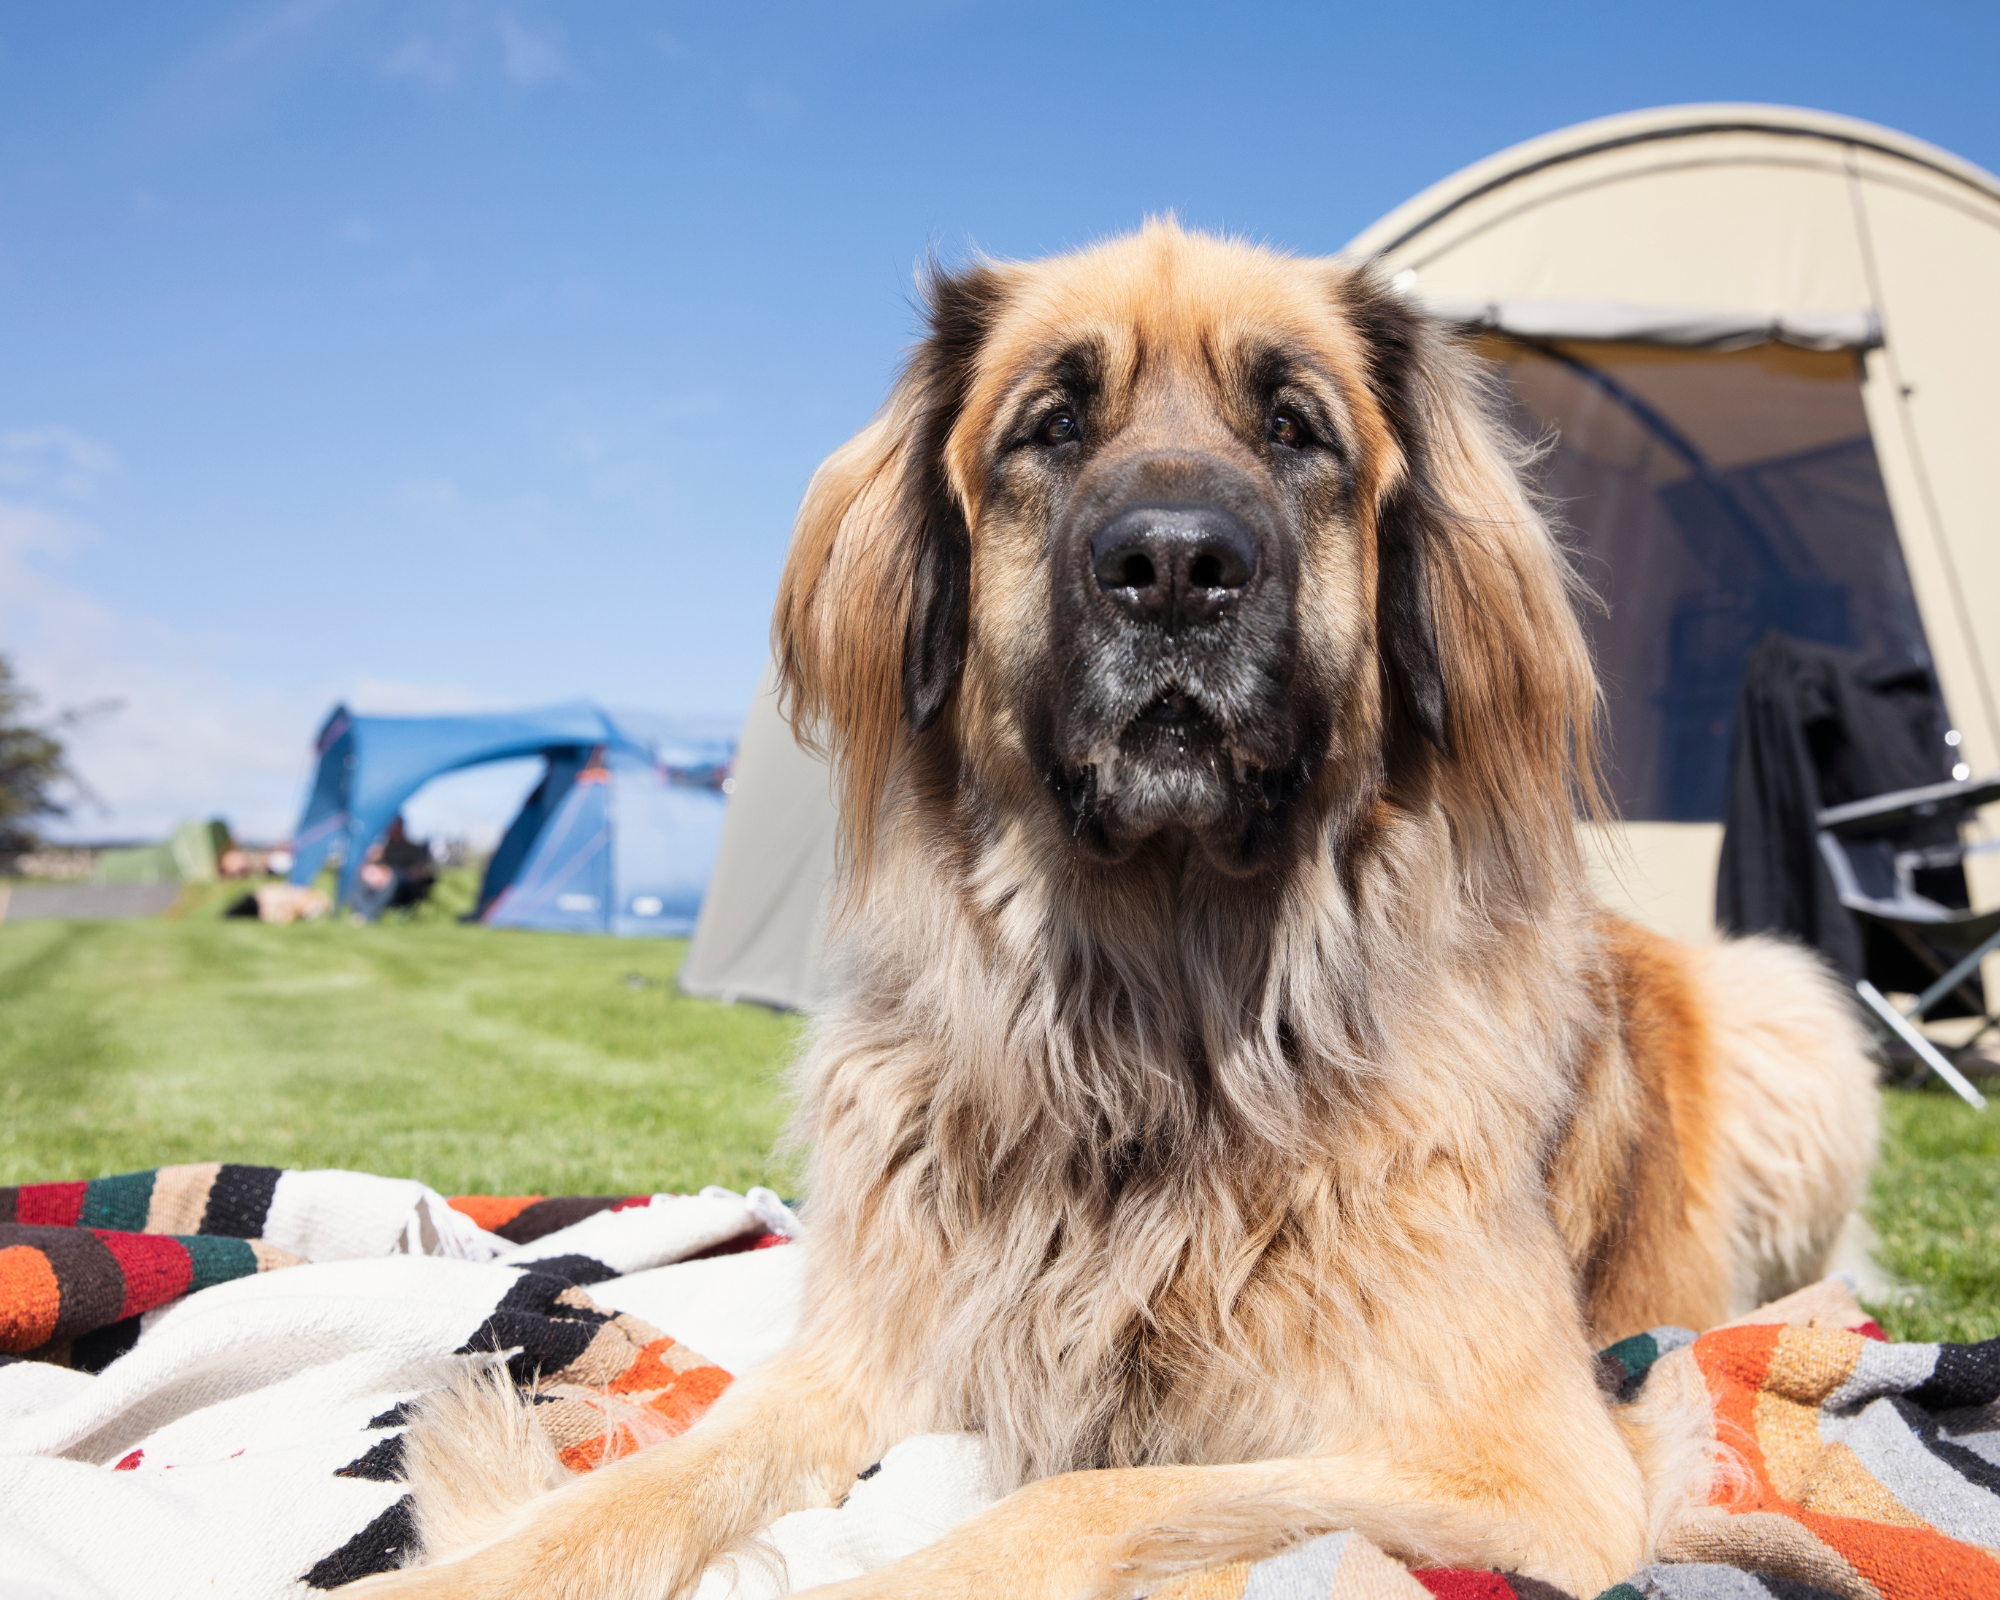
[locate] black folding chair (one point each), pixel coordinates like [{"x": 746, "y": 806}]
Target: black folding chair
[{"x": 1866, "y": 847}]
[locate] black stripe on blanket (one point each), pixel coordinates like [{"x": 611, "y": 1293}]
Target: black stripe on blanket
[
  {"x": 579, "y": 1270},
  {"x": 94, "y": 1351},
  {"x": 1965, "y": 1375},
  {"x": 382, "y": 1462},
  {"x": 379, "y": 1547},
  {"x": 1526, "y": 1588},
  {"x": 1930, "y": 1433},
  {"x": 531, "y": 1319},
  {"x": 238, "y": 1202}
]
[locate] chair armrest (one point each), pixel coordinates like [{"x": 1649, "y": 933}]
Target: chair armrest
[{"x": 1884, "y": 813}]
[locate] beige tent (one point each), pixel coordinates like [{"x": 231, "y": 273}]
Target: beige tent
[
  {"x": 1765, "y": 347},
  {"x": 763, "y": 919},
  {"x": 1776, "y": 286}
]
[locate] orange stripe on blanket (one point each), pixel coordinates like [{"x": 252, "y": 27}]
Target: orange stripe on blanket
[
  {"x": 658, "y": 1365},
  {"x": 633, "y": 1423},
  {"x": 595, "y": 1451},
  {"x": 1903, "y": 1563},
  {"x": 692, "y": 1393},
  {"x": 30, "y": 1298},
  {"x": 493, "y": 1211},
  {"x": 1909, "y": 1563}
]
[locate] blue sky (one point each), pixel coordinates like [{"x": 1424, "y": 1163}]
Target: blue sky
[{"x": 440, "y": 353}]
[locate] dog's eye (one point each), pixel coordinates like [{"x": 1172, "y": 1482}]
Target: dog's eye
[
  {"x": 1059, "y": 429},
  {"x": 1287, "y": 430}
]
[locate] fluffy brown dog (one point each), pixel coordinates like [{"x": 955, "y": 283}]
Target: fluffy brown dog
[{"x": 1233, "y": 1105}]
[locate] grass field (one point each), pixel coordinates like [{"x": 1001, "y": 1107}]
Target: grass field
[
  {"x": 485, "y": 1061},
  {"x": 480, "y": 1060},
  {"x": 1936, "y": 1211}
]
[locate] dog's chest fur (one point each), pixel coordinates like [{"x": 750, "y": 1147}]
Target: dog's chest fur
[{"x": 1106, "y": 1229}]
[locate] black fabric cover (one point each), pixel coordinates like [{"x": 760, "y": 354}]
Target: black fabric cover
[{"x": 1819, "y": 727}]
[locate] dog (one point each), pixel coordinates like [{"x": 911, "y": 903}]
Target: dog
[{"x": 1233, "y": 1103}]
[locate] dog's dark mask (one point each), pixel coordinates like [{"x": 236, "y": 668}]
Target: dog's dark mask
[{"x": 1174, "y": 502}]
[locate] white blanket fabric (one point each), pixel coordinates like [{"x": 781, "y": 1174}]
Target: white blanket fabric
[{"x": 205, "y": 1461}]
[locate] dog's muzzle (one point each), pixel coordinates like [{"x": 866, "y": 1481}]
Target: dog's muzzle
[{"x": 1174, "y": 615}]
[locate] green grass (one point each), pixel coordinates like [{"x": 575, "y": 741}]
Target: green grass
[
  {"x": 477, "y": 1059},
  {"x": 1936, "y": 1213},
  {"x": 485, "y": 1061}
]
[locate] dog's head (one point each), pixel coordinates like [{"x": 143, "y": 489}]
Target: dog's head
[{"x": 1181, "y": 546}]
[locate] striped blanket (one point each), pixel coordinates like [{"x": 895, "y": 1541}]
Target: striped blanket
[
  {"x": 81, "y": 1263},
  {"x": 179, "y": 1417},
  {"x": 1848, "y": 1467}
]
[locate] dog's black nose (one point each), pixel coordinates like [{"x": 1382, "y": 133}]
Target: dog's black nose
[{"x": 1173, "y": 565}]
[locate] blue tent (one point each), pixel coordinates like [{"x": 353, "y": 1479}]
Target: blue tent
[
  {"x": 620, "y": 845},
  {"x": 618, "y": 837}
]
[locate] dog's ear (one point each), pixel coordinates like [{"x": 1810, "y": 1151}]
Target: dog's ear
[
  {"x": 1409, "y": 520},
  {"x": 873, "y": 609},
  {"x": 960, "y": 310},
  {"x": 1475, "y": 600},
  {"x": 1405, "y": 621}
]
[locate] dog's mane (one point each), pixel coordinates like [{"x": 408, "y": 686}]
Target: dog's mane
[
  {"x": 1148, "y": 1098},
  {"x": 1019, "y": 1075}
]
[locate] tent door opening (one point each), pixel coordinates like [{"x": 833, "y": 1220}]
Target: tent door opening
[{"x": 1708, "y": 498}]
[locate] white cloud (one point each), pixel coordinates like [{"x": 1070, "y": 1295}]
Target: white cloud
[
  {"x": 277, "y": 28},
  {"x": 259, "y": 50},
  {"x": 191, "y": 737},
  {"x": 185, "y": 739},
  {"x": 423, "y": 60},
  {"x": 188, "y": 739},
  {"x": 484, "y": 524},
  {"x": 54, "y": 458},
  {"x": 529, "y": 58}
]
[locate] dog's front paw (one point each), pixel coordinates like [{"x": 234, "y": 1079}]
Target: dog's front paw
[
  {"x": 538, "y": 1566},
  {"x": 905, "y": 1580}
]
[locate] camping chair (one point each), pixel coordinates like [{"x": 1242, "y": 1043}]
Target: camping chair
[{"x": 1865, "y": 847}]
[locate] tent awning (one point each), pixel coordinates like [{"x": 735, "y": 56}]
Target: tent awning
[
  {"x": 368, "y": 766},
  {"x": 1684, "y": 327}
]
